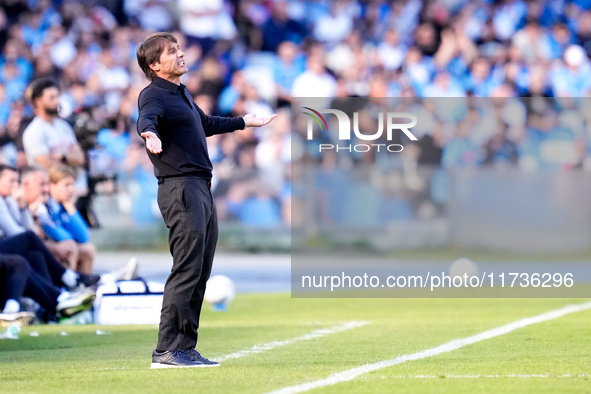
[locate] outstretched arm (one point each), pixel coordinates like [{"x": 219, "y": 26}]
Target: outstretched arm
[
  {"x": 151, "y": 110},
  {"x": 226, "y": 124}
]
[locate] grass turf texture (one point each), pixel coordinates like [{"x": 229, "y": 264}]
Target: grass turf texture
[{"x": 85, "y": 362}]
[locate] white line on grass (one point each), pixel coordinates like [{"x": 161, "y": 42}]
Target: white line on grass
[
  {"x": 352, "y": 373},
  {"x": 567, "y": 375},
  {"x": 319, "y": 333}
]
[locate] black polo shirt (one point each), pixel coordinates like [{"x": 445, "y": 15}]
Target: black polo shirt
[{"x": 168, "y": 110}]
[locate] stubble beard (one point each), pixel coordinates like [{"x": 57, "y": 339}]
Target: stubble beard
[{"x": 52, "y": 111}]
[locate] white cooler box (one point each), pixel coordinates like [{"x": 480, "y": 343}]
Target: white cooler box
[{"x": 128, "y": 302}]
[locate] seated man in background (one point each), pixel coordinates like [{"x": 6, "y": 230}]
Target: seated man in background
[
  {"x": 36, "y": 192},
  {"x": 61, "y": 222},
  {"x": 35, "y": 187},
  {"x": 15, "y": 218}
]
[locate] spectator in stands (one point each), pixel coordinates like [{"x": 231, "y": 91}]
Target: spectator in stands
[
  {"x": 113, "y": 142},
  {"x": 333, "y": 27},
  {"x": 573, "y": 78},
  {"x": 280, "y": 27},
  {"x": 255, "y": 205},
  {"x": 113, "y": 80},
  {"x": 15, "y": 69},
  {"x": 231, "y": 93},
  {"x": 4, "y": 106},
  {"x": 204, "y": 22},
  {"x": 315, "y": 81},
  {"x": 288, "y": 66},
  {"x": 461, "y": 152},
  {"x": 48, "y": 139},
  {"x": 481, "y": 82},
  {"x": 533, "y": 43},
  {"x": 443, "y": 86},
  {"x": 151, "y": 14},
  {"x": 391, "y": 52},
  {"x": 500, "y": 150}
]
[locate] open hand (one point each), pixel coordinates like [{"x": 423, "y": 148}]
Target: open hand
[
  {"x": 153, "y": 143},
  {"x": 252, "y": 120}
]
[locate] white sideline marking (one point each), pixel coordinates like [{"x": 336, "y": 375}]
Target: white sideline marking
[
  {"x": 319, "y": 333},
  {"x": 352, "y": 373},
  {"x": 567, "y": 375}
]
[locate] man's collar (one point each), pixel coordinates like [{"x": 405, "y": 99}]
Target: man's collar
[
  {"x": 51, "y": 122},
  {"x": 163, "y": 83}
]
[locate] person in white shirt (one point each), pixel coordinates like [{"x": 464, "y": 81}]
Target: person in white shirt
[
  {"x": 315, "y": 81},
  {"x": 48, "y": 139},
  {"x": 205, "y": 21}
]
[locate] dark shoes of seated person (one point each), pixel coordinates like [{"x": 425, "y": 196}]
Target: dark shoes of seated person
[
  {"x": 194, "y": 354},
  {"x": 88, "y": 279},
  {"x": 175, "y": 359}
]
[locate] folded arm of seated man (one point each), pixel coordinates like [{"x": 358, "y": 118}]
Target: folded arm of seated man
[{"x": 35, "y": 187}]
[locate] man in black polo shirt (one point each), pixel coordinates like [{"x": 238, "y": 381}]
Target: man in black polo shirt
[{"x": 174, "y": 129}]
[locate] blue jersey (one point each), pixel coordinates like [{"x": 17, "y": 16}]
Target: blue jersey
[{"x": 59, "y": 225}]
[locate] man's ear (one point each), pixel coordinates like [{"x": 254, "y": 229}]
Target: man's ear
[
  {"x": 155, "y": 66},
  {"x": 36, "y": 103}
]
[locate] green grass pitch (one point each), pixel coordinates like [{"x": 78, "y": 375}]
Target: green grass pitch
[{"x": 83, "y": 362}]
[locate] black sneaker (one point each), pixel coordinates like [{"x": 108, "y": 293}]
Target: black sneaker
[
  {"x": 194, "y": 355},
  {"x": 174, "y": 359},
  {"x": 88, "y": 279}
]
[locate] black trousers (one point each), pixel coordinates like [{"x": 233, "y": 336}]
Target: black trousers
[
  {"x": 189, "y": 212},
  {"x": 29, "y": 246},
  {"x": 14, "y": 273},
  {"x": 17, "y": 278}
]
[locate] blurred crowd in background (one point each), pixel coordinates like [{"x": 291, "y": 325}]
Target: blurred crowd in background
[
  {"x": 252, "y": 56},
  {"x": 496, "y": 137}
]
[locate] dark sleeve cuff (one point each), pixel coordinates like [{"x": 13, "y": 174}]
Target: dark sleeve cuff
[
  {"x": 152, "y": 131},
  {"x": 232, "y": 124}
]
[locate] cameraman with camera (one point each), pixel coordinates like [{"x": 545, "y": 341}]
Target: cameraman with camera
[{"x": 48, "y": 139}]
